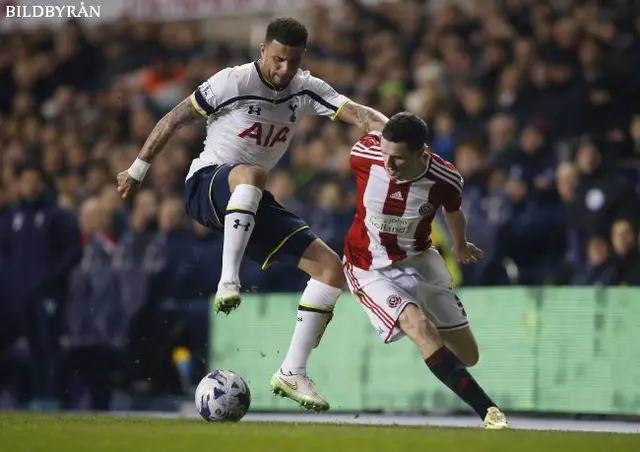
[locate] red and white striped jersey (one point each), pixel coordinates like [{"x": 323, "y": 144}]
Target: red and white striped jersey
[{"x": 393, "y": 219}]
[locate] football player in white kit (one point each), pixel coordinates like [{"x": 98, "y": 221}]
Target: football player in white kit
[
  {"x": 400, "y": 280},
  {"x": 252, "y": 112}
]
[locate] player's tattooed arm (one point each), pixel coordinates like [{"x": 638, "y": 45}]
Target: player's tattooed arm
[
  {"x": 181, "y": 115},
  {"x": 366, "y": 118}
]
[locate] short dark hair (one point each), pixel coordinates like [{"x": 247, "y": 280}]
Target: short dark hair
[
  {"x": 287, "y": 31},
  {"x": 405, "y": 127}
]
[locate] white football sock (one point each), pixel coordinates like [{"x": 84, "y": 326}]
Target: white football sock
[
  {"x": 239, "y": 222},
  {"x": 314, "y": 313}
]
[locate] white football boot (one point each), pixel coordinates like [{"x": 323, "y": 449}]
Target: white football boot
[
  {"x": 300, "y": 388},
  {"x": 495, "y": 419},
  {"x": 227, "y": 297}
]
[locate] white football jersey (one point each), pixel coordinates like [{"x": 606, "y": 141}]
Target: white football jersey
[{"x": 249, "y": 122}]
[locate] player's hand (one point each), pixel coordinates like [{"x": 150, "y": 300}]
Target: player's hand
[
  {"x": 126, "y": 184},
  {"x": 467, "y": 253}
]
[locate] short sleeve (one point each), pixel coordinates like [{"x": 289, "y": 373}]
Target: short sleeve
[
  {"x": 452, "y": 198},
  {"x": 450, "y": 183},
  {"x": 211, "y": 95},
  {"x": 324, "y": 100},
  {"x": 364, "y": 153}
]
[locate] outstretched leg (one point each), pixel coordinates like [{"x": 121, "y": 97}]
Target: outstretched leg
[
  {"x": 315, "y": 311},
  {"x": 447, "y": 367}
]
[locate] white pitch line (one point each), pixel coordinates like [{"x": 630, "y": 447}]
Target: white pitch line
[{"x": 518, "y": 422}]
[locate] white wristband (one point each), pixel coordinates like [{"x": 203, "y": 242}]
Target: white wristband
[{"x": 138, "y": 169}]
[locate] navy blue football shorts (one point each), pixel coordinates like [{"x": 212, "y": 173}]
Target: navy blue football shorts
[{"x": 278, "y": 236}]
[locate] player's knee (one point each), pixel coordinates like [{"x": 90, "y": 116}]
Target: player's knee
[
  {"x": 464, "y": 345},
  {"x": 247, "y": 174},
  {"x": 331, "y": 271},
  {"x": 470, "y": 357},
  {"x": 322, "y": 264}
]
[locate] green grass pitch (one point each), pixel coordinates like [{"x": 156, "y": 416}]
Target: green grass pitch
[{"x": 89, "y": 433}]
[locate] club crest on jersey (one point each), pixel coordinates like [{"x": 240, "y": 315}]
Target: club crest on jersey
[
  {"x": 393, "y": 301},
  {"x": 253, "y": 110},
  {"x": 425, "y": 209},
  {"x": 293, "y": 108}
]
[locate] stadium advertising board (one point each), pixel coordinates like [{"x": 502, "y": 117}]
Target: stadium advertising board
[{"x": 562, "y": 350}]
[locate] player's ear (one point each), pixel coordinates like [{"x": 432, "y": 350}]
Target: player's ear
[{"x": 263, "y": 50}]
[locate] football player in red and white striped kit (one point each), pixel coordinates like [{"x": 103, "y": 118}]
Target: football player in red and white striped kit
[{"x": 392, "y": 269}]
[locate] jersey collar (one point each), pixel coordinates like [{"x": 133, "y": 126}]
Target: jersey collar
[{"x": 419, "y": 176}]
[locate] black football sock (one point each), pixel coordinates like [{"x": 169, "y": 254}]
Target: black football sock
[{"x": 452, "y": 372}]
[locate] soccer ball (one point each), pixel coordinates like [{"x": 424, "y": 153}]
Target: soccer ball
[{"x": 222, "y": 396}]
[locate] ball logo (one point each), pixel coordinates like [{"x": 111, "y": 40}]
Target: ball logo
[
  {"x": 394, "y": 301},
  {"x": 425, "y": 209}
]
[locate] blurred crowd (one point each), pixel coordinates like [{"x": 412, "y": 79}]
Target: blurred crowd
[{"x": 537, "y": 106}]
